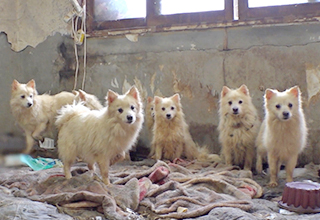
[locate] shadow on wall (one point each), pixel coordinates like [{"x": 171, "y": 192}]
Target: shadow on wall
[{"x": 205, "y": 134}]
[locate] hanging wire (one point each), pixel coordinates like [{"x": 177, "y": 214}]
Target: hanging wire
[
  {"x": 77, "y": 40},
  {"x": 84, "y": 28}
]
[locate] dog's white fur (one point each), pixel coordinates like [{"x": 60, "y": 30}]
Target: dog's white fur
[
  {"x": 89, "y": 100},
  {"x": 101, "y": 136},
  {"x": 283, "y": 134},
  {"x": 238, "y": 126},
  {"x": 36, "y": 113},
  {"x": 171, "y": 136}
]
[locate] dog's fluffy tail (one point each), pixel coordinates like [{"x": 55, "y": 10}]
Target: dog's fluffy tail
[
  {"x": 205, "y": 156},
  {"x": 69, "y": 111}
]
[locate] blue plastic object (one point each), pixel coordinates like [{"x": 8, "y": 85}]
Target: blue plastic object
[{"x": 38, "y": 163}]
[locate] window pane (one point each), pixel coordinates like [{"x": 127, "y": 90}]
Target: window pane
[
  {"x": 168, "y": 7},
  {"x": 111, "y": 10},
  {"x": 259, "y": 3}
]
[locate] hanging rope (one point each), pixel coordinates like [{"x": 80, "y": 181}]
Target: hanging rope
[{"x": 79, "y": 38}]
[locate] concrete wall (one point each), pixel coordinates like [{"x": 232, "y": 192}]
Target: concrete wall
[{"x": 194, "y": 63}]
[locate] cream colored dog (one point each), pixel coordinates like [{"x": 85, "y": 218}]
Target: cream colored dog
[
  {"x": 36, "y": 113},
  {"x": 171, "y": 136},
  {"x": 238, "y": 126},
  {"x": 101, "y": 136},
  {"x": 283, "y": 134},
  {"x": 89, "y": 100}
]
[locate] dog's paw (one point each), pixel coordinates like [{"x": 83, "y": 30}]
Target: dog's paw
[
  {"x": 259, "y": 169},
  {"x": 38, "y": 138},
  {"x": 272, "y": 184}
]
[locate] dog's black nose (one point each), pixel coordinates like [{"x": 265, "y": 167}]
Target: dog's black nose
[
  {"x": 168, "y": 116},
  {"x": 285, "y": 115},
  {"x": 235, "y": 110},
  {"x": 29, "y": 104},
  {"x": 129, "y": 118}
]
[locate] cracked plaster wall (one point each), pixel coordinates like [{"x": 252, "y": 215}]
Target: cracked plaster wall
[
  {"x": 30, "y": 22},
  {"x": 194, "y": 63}
]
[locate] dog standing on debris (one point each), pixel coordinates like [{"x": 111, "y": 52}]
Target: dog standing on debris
[
  {"x": 171, "y": 136},
  {"x": 35, "y": 113},
  {"x": 238, "y": 126},
  {"x": 283, "y": 134},
  {"x": 101, "y": 136}
]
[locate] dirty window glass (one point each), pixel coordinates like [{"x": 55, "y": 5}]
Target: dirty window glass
[
  {"x": 259, "y": 3},
  {"x": 113, "y": 10},
  {"x": 168, "y": 7}
]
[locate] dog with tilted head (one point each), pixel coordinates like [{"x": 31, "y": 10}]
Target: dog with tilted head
[
  {"x": 283, "y": 134},
  {"x": 101, "y": 136},
  {"x": 35, "y": 113},
  {"x": 238, "y": 127},
  {"x": 171, "y": 136}
]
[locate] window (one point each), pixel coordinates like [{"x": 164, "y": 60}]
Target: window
[
  {"x": 168, "y": 7},
  {"x": 277, "y": 11},
  {"x": 113, "y": 10},
  {"x": 259, "y": 3},
  {"x": 163, "y": 15}
]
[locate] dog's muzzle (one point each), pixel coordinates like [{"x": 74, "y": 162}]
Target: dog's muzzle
[
  {"x": 129, "y": 119},
  {"x": 285, "y": 115},
  {"x": 235, "y": 111}
]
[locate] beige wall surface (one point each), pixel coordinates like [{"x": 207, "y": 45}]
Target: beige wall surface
[{"x": 191, "y": 63}]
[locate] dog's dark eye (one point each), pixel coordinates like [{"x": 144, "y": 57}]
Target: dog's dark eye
[
  {"x": 132, "y": 107},
  {"x": 30, "y": 96},
  {"x": 120, "y": 110},
  {"x": 172, "y": 108},
  {"x": 151, "y": 109},
  {"x": 278, "y": 106},
  {"x": 290, "y": 105},
  {"x": 240, "y": 102},
  {"x": 230, "y": 103},
  {"x": 163, "y": 108},
  {"x": 23, "y": 96}
]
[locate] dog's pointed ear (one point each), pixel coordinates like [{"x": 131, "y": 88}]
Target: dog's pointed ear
[
  {"x": 244, "y": 89},
  {"x": 74, "y": 92},
  {"x": 14, "y": 85},
  {"x": 224, "y": 91},
  {"x": 268, "y": 94},
  {"x": 157, "y": 100},
  {"x": 134, "y": 92},
  {"x": 294, "y": 91},
  {"x": 176, "y": 98},
  {"x": 82, "y": 95},
  {"x": 32, "y": 84},
  {"x": 150, "y": 99},
  {"x": 111, "y": 96}
]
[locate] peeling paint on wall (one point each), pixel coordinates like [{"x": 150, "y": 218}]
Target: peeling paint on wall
[
  {"x": 181, "y": 88},
  {"x": 211, "y": 97},
  {"x": 126, "y": 86},
  {"x": 30, "y": 22},
  {"x": 152, "y": 82},
  {"x": 142, "y": 90},
  {"x": 114, "y": 83},
  {"x": 313, "y": 81}
]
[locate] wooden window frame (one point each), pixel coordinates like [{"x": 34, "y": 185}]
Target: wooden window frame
[{"x": 158, "y": 23}]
